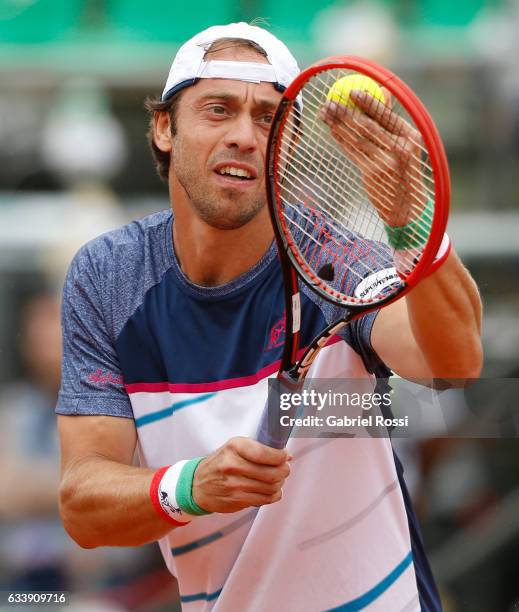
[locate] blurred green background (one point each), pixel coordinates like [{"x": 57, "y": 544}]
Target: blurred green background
[{"x": 74, "y": 162}]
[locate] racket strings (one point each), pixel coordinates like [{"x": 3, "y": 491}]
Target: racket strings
[
  {"x": 339, "y": 254},
  {"x": 346, "y": 171},
  {"x": 388, "y": 173},
  {"x": 311, "y": 191},
  {"x": 310, "y": 195},
  {"x": 377, "y": 103},
  {"x": 338, "y": 189},
  {"x": 334, "y": 189},
  {"x": 336, "y": 222},
  {"x": 386, "y": 195},
  {"x": 338, "y": 171},
  {"x": 418, "y": 184}
]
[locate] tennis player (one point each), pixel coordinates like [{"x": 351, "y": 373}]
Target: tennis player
[{"x": 172, "y": 326}]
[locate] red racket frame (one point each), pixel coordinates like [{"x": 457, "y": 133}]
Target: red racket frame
[
  {"x": 432, "y": 142},
  {"x": 293, "y": 371}
]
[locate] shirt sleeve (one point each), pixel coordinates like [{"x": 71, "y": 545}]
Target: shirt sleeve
[
  {"x": 370, "y": 269},
  {"x": 376, "y": 275},
  {"x": 358, "y": 335},
  {"x": 91, "y": 378}
]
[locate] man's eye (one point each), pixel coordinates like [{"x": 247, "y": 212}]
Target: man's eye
[
  {"x": 268, "y": 118},
  {"x": 218, "y": 110}
]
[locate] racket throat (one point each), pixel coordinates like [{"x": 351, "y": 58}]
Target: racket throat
[
  {"x": 299, "y": 371},
  {"x": 289, "y": 380}
]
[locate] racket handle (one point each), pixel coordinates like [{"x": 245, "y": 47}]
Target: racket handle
[{"x": 271, "y": 432}]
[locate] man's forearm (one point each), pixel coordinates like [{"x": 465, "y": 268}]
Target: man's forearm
[
  {"x": 445, "y": 316},
  {"x": 105, "y": 503}
]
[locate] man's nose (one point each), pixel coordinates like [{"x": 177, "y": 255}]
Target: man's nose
[{"x": 242, "y": 133}]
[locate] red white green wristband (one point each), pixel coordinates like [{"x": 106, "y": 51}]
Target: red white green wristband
[{"x": 171, "y": 492}]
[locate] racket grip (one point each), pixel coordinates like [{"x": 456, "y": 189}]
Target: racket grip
[
  {"x": 271, "y": 432},
  {"x": 265, "y": 436}
]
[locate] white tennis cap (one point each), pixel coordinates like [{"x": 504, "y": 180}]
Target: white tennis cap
[{"x": 189, "y": 65}]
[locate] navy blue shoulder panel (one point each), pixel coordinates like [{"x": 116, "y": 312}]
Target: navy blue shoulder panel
[{"x": 179, "y": 337}]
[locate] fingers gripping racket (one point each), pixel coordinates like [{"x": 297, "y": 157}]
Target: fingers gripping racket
[{"x": 358, "y": 192}]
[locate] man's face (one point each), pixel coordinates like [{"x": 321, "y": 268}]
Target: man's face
[{"x": 218, "y": 151}]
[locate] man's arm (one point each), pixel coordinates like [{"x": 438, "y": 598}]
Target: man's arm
[
  {"x": 435, "y": 332},
  {"x": 105, "y": 500}
]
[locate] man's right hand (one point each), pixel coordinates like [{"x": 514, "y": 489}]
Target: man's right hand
[{"x": 240, "y": 474}]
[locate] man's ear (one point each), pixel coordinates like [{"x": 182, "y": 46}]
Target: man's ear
[{"x": 162, "y": 131}]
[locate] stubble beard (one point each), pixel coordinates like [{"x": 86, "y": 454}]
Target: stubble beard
[{"x": 227, "y": 210}]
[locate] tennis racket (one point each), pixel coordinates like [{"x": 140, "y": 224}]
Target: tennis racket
[{"x": 358, "y": 192}]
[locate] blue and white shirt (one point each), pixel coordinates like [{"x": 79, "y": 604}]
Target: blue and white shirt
[{"x": 190, "y": 365}]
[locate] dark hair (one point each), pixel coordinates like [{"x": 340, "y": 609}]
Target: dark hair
[{"x": 156, "y": 105}]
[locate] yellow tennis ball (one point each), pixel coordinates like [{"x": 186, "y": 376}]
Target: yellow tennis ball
[{"x": 340, "y": 91}]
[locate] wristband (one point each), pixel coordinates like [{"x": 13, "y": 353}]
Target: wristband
[
  {"x": 161, "y": 500},
  {"x": 184, "y": 489},
  {"x": 163, "y": 494},
  {"x": 415, "y": 233}
]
